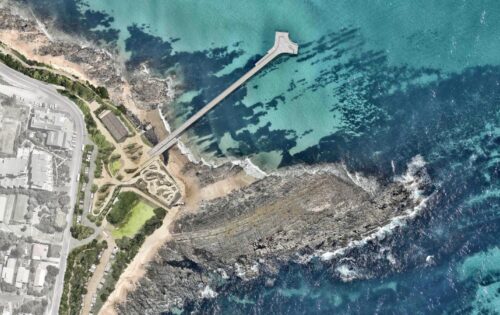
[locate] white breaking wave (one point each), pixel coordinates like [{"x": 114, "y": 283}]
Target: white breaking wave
[
  {"x": 208, "y": 293},
  {"x": 347, "y": 273},
  {"x": 250, "y": 168},
  {"x": 165, "y": 122},
  {"x": 415, "y": 177},
  {"x": 380, "y": 234},
  {"x": 246, "y": 164},
  {"x": 412, "y": 182},
  {"x": 185, "y": 151}
]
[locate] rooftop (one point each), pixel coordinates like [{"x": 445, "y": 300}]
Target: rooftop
[
  {"x": 13, "y": 166},
  {"x": 114, "y": 125},
  {"x": 41, "y": 171},
  {"x": 40, "y": 274},
  {"x": 40, "y": 251}
]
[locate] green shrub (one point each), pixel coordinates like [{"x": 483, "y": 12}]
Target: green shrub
[
  {"x": 120, "y": 209},
  {"x": 81, "y": 232}
]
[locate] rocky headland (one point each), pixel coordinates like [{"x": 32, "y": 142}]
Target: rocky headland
[
  {"x": 290, "y": 215},
  {"x": 232, "y": 228}
]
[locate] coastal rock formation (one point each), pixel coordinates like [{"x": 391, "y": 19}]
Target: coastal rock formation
[
  {"x": 291, "y": 214},
  {"x": 150, "y": 91},
  {"x": 128, "y": 86}
]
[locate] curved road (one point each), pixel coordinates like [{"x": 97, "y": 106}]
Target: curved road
[{"x": 63, "y": 104}]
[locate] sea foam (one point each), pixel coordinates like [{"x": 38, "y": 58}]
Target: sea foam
[{"x": 412, "y": 180}]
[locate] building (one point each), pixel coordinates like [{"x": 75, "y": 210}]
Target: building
[
  {"x": 8, "y": 135},
  {"x": 13, "y": 167},
  {"x": 20, "y": 209},
  {"x": 3, "y": 206},
  {"x": 41, "y": 171},
  {"x": 9, "y": 270},
  {"x": 114, "y": 125},
  {"x": 7, "y": 207},
  {"x": 22, "y": 277},
  {"x": 60, "y": 220},
  {"x": 14, "y": 171},
  {"x": 56, "y": 139},
  {"x": 40, "y": 274},
  {"x": 39, "y": 251},
  {"x": 57, "y": 125}
]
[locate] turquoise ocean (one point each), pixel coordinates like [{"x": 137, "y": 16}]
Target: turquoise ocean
[{"x": 375, "y": 84}]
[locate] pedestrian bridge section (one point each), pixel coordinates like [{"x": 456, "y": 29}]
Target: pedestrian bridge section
[{"x": 282, "y": 45}]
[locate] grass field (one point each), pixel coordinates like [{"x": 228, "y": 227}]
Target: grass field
[
  {"x": 115, "y": 166},
  {"x": 138, "y": 215}
]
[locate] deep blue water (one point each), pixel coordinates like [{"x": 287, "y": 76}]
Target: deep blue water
[{"x": 375, "y": 84}]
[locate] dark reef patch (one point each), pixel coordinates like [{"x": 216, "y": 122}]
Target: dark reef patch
[{"x": 75, "y": 18}]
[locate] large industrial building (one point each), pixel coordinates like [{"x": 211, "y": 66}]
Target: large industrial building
[
  {"x": 58, "y": 126},
  {"x": 114, "y": 125},
  {"x": 41, "y": 171}
]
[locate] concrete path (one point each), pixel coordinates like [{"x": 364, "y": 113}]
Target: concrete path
[{"x": 282, "y": 45}]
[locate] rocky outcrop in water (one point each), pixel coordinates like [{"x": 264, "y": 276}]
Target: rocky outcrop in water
[
  {"x": 98, "y": 63},
  {"x": 250, "y": 233}
]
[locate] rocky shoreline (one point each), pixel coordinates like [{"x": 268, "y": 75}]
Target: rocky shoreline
[
  {"x": 251, "y": 233},
  {"x": 242, "y": 236},
  {"x": 133, "y": 87}
]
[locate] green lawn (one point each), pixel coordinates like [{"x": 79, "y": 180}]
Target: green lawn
[
  {"x": 136, "y": 218},
  {"x": 115, "y": 166}
]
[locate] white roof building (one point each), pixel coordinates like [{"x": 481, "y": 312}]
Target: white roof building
[
  {"x": 3, "y": 206},
  {"x": 22, "y": 277},
  {"x": 40, "y": 274},
  {"x": 39, "y": 251},
  {"x": 13, "y": 167},
  {"x": 41, "y": 171},
  {"x": 8, "y": 271}
]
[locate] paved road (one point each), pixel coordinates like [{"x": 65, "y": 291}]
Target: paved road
[
  {"x": 62, "y": 104},
  {"x": 282, "y": 45}
]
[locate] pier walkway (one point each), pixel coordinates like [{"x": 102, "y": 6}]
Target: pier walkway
[{"x": 282, "y": 45}]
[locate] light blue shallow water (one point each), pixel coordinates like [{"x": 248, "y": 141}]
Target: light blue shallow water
[
  {"x": 375, "y": 84},
  {"x": 446, "y": 37}
]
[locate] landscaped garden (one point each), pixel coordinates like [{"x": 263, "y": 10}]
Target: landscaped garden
[
  {"x": 129, "y": 214},
  {"x": 115, "y": 166}
]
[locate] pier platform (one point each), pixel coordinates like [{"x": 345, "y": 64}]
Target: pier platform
[{"x": 282, "y": 45}]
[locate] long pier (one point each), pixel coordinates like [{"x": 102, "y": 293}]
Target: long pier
[{"x": 282, "y": 45}]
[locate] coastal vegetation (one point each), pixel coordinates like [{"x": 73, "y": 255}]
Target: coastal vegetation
[
  {"x": 114, "y": 164},
  {"x": 122, "y": 207},
  {"x": 104, "y": 147},
  {"x": 128, "y": 248},
  {"x": 98, "y": 218},
  {"x": 132, "y": 218},
  {"x": 77, "y": 274},
  {"x": 81, "y": 232},
  {"x": 139, "y": 214},
  {"x": 48, "y": 76}
]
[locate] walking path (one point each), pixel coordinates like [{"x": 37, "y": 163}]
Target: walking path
[{"x": 98, "y": 275}]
